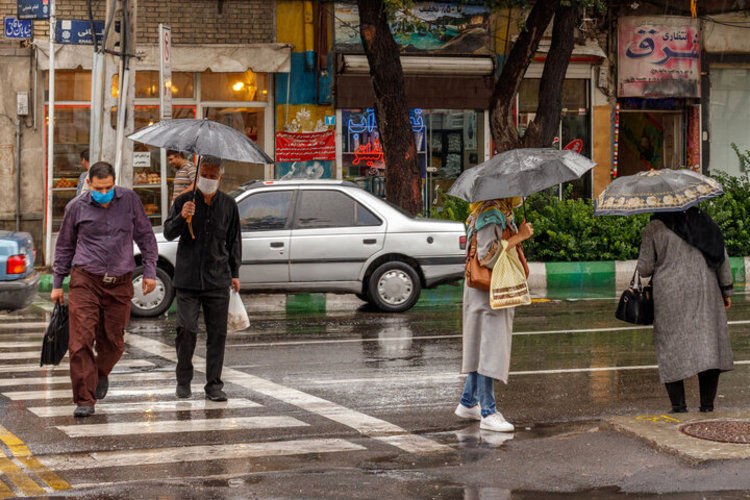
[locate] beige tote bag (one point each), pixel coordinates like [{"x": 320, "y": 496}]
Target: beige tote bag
[{"x": 509, "y": 287}]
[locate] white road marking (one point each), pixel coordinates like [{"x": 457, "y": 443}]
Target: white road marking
[
  {"x": 451, "y": 376},
  {"x": 22, "y": 355},
  {"x": 114, "y": 378},
  {"x": 365, "y": 424},
  {"x": 172, "y": 426},
  {"x": 113, "y": 393},
  {"x": 35, "y": 368},
  {"x": 147, "y": 407},
  {"x": 455, "y": 336},
  {"x": 179, "y": 454},
  {"x": 37, "y": 325},
  {"x": 17, "y": 344}
]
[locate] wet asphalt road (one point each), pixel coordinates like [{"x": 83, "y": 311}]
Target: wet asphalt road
[{"x": 356, "y": 403}]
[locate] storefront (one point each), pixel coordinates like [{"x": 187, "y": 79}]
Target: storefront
[
  {"x": 659, "y": 111},
  {"x": 239, "y": 99}
]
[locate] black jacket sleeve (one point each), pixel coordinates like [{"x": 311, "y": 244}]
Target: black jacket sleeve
[
  {"x": 175, "y": 224},
  {"x": 234, "y": 241}
]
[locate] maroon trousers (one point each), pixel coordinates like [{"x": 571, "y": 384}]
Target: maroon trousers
[{"x": 98, "y": 314}]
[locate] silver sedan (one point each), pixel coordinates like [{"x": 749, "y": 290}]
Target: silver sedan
[{"x": 327, "y": 236}]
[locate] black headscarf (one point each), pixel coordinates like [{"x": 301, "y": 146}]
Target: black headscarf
[{"x": 699, "y": 230}]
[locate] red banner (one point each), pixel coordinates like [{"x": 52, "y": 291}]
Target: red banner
[{"x": 320, "y": 146}]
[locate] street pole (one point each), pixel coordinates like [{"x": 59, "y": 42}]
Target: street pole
[{"x": 48, "y": 257}]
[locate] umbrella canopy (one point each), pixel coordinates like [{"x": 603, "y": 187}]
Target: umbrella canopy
[
  {"x": 202, "y": 137},
  {"x": 656, "y": 191},
  {"x": 519, "y": 172}
]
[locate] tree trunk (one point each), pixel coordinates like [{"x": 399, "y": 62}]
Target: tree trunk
[
  {"x": 403, "y": 181},
  {"x": 502, "y": 124},
  {"x": 541, "y": 132}
]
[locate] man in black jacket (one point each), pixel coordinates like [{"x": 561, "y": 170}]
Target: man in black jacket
[{"x": 207, "y": 265}]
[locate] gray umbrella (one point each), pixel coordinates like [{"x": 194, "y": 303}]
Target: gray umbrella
[
  {"x": 202, "y": 137},
  {"x": 656, "y": 191},
  {"x": 519, "y": 172}
]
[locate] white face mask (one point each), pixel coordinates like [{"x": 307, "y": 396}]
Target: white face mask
[{"x": 208, "y": 186}]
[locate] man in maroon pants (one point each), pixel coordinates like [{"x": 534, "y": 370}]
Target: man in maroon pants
[{"x": 96, "y": 239}]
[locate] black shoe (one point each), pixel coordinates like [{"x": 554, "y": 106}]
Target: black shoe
[
  {"x": 679, "y": 410},
  {"x": 83, "y": 411},
  {"x": 102, "y": 387},
  {"x": 183, "y": 391},
  {"x": 216, "y": 395},
  {"x": 706, "y": 409}
]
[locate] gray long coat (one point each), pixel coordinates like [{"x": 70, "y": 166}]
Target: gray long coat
[
  {"x": 690, "y": 323},
  {"x": 486, "y": 331}
]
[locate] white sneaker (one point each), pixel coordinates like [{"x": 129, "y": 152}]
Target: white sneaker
[
  {"x": 473, "y": 413},
  {"x": 496, "y": 422}
]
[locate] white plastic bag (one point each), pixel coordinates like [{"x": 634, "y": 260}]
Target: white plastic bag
[{"x": 237, "y": 319}]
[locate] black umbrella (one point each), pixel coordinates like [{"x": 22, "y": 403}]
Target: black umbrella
[{"x": 202, "y": 137}]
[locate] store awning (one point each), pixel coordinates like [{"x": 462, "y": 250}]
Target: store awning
[
  {"x": 260, "y": 58},
  {"x": 426, "y": 65}
]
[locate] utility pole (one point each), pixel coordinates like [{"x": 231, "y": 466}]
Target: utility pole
[{"x": 109, "y": 143}]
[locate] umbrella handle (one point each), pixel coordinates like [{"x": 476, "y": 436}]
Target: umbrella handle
[{"x": 189, "y": 221}]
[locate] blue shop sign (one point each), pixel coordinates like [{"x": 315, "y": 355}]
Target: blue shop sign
[
  {"x": 77, "y": 32},
  {"x": 17, "y": 28},
  {"x": 33, "y": 9}
]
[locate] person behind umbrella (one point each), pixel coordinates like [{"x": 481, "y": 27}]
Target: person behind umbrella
[
  {"x": 206, "y": 267},
  {"x": 486, "y": 331},
  {"x": 184, "y": 172},
  {"x": 692, "y": 281},
  {"x": 96, "y": 237}
]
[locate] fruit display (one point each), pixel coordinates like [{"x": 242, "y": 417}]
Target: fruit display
[
  {"x": 146, "y": 178},
  {"x": 64, "y": 182}
]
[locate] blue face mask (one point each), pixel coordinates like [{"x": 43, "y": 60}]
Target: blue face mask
[{"x": 103, "y": 198}]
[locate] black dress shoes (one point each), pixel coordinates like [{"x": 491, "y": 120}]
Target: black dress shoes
[
  {"x": 83, "y": 411},
  {"x": 216, "y": 395},
  {"x": 101, "y": 388},
  {"x": 183, "y": 391}
]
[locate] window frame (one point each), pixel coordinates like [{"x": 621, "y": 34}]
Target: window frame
[
  {"x": 290, "y": 214},
  {"x": 302, "y": 192}
]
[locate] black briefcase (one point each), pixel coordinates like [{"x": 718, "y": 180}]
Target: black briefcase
[
  {"x": 55, "y": 343},
  {"x": 637, "y": 303}
]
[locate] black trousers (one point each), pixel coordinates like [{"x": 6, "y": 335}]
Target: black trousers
[
  {"x": 215, "y": 304},
  {"x": 708, "y": 382}
]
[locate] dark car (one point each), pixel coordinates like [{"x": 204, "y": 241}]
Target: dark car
[{"x": 18, "y": 280}]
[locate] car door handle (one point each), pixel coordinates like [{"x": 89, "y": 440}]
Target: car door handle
[
  {"x": 277, "y": 244},
  {"x": 370, "y": 241}
]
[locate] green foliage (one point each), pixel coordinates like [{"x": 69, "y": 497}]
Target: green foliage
[
  {"x": 567, "y": 230},
  {"x": 732, "y": 213},
  {"x": 743, "y": 157}
]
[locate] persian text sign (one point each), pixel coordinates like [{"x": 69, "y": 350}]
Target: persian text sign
[
  {"x": 320, "y": 146},
  {"x": 17, "y": 28},
  {"x": 658, "y": 57},
  {"x": 33, "y": 9}
]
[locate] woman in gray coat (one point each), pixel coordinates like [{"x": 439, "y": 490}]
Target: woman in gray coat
[
  {"x": 486, "y": 331},
  {"x": 692, "y": 280}
]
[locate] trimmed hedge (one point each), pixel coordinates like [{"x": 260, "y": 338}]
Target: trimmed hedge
[{"x": 567, "y": 231}]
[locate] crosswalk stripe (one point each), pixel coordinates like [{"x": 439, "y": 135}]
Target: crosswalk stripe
[
  {"x": 36, "y": 325},
  {"x": 34, "y": 367},
  {"x": 365, "y": 424},
  {"x": 181, "y": 426},
  {"x": 21, "y": 355},
  {"x": 146, "y": 407},
  {"x": 113, "y": 393},
  {"x": 23, "y": 454},
  {"x": 61, "y": 379},
  {"x": 129, "y": 458},
  {"x": 18, "y": 344}
]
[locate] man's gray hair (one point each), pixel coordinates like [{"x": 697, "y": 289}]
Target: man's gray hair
[{"x": 213, "y": 160}]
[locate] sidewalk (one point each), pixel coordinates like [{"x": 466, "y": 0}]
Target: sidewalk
[{"x": 548, "y": 280}]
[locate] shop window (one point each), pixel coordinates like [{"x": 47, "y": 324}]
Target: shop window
[
  {"x": 147, "y": 85},
  {"x": 247, "y": 86},
  {"x": 249, "y": 121},
  {"x": 729, "y": 115},
  {"x": 70, "y": 85},
  {"x": 71, "y": 137},
  {"x": 575, "y": 124}
]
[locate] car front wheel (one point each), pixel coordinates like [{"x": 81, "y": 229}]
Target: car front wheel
[
  {"x": 156, "y": 302},
  {"x": 394, "y": 287}
]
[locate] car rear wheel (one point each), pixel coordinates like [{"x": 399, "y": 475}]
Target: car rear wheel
[
  {"x": 156, "y": 302},
  {"x": 394, "y": 287}
]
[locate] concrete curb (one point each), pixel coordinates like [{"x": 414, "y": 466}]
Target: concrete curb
[{"x": 561, "y": 280}]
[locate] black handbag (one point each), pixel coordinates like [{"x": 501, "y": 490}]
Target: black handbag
[
  {"x": 637, "y": 303},
  {"x": 55, "y": 343}
]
